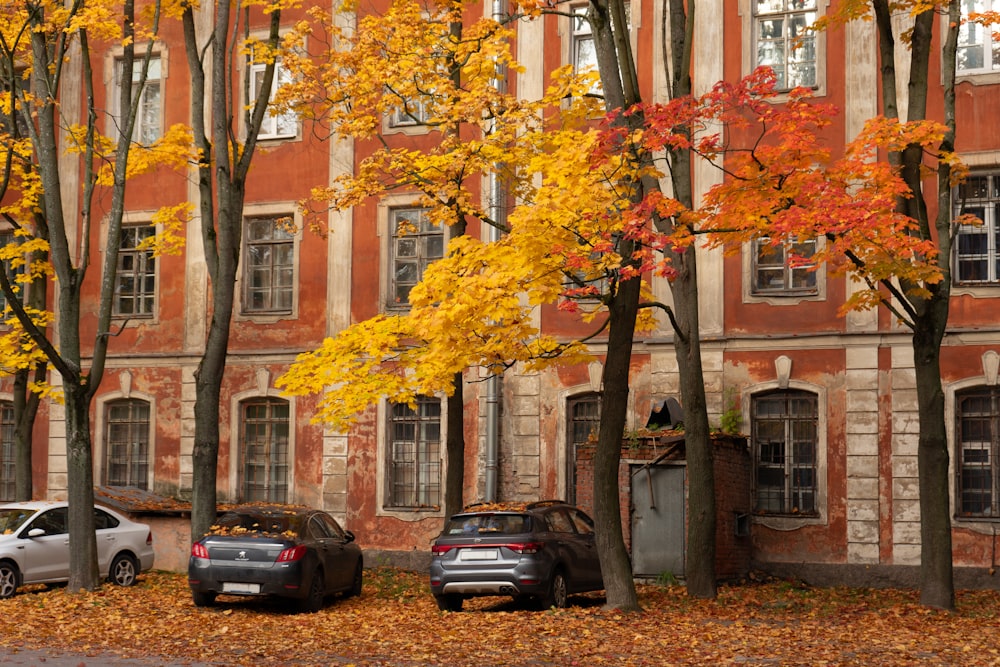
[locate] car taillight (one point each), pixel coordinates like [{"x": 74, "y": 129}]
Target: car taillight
[
  {"x": 198, "y": 550},
  {"x": 526, "y": 547},
  {"x": 291, "y": 554},
  {"x": 149, "y": 539},
  {"x": 441, "y": 549}
]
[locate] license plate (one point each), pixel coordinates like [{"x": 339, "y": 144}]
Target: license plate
[
  {"x": 478, "y": 554},
  {"x": 246, "y": 589}
]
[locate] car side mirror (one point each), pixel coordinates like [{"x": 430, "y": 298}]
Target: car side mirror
[
  {"x": 36, "y": 532},
  {"x": 349, "y": 535}
]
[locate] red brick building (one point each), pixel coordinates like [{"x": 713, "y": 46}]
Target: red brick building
[{"x": 828, "y": 401}]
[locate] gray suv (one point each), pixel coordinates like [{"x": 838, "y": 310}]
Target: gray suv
[{"x": 543, "y": 551}]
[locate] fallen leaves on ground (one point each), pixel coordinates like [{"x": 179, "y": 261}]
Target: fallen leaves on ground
[{"x": 396, "y": 622}]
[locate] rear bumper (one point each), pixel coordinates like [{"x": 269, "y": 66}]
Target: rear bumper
[
  {"x": 204, "y": 577},
  {"x": 519, "y": 581}
]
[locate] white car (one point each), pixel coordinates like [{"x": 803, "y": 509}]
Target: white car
[{"x": 34, "y": 545}]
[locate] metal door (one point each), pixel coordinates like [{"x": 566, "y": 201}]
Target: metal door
[{"x": 658, "y": 520}]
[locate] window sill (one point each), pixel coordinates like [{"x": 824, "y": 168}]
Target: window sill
[
  {"x": 977, "y": 524},
  {"x": 786, "y": 522},
  {"x": 783, "y": 298},
  {"x": 412, "y": 513},
  {"x": 977, "y": 78}
]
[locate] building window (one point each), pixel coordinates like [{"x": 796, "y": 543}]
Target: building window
[
  {"x": 978, "y": 427},
  {"x": 135, "y": 281},
  {"x": 783, "y": 269},
  {"x": 584, "y": 419},
  {"x": 264, "y": 450},
  {"x": 283, "y": 125},
  {"x": 583, "y": 53},
  {"x": 8, "y": 453},
  {"x": 6, "y": 238},
  {"x": 416, "y": 242},
  {"x": 978, "y": 47},
  {"x": 269, "y": 265},
  {"x": 148, "y": 126},
  {"x": 783, "y": 42},
  {"x": 977, "y": 248},
  {"x": 127, "y": 443},
  {"x": 14, "y": 120},
  {"x": 410, "y": 113},
  {"x": 784, "y": 436},
  {"x": 414, "y": 454}
]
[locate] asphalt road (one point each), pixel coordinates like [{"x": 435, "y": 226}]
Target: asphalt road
[{"x": 54, "y": 658}]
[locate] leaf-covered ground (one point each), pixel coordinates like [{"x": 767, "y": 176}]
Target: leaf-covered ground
[{"x": 395, "y": 622}]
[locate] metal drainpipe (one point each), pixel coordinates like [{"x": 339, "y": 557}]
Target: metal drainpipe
[{"x": 493, "y": 382}]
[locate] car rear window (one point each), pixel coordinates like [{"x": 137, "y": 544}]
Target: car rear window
[
  {"x": 488, "y": 524},
  {"x": 261, "y": 523}
]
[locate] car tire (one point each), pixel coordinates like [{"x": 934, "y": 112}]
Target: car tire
[
  {"x": 313, "y": 601},
  {"x": 203, "y": 599},
  {"x": 123, "y": 570},
  {"x": 10, "y": 579},
  {"x": 449, "y": 602},
  {"x": 357, "y": 581},
  {"x": 556, "y": 595}
]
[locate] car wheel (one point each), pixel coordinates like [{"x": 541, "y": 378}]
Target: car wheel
[
  {"x": 449, "y": 602},
  {"x": 123, "y": 570},
  {"x": 9, "y": 578},
  {"x": 556, "y": 595},
  {"x": 203, "y": 599},
  {"x": 313, "y": 601},
  {"x": 357, "y": 581}
]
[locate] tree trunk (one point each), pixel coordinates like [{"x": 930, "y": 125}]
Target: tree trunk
[
  {"x": 83, "y": 571},
  {"x": 936, "y": 577},
  {"x": 25, "y": 409},
  {"x": 455, "y": 450},
  {"x": 208, "y": 377},
  {"x": 700, "y": 558},
  {"x": 616, "y": 566}
]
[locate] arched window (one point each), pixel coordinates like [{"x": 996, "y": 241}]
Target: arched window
[
  {"x": 127, "y": 443},
  {"x": 264, "y": 430},
  {"x": 784, "y": 436}
]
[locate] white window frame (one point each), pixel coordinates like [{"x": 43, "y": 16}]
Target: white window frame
[
  {"x": 750, "y": 30},
  {"x": 576, "y": 29},
  {"x": 986, "y": 208},
  {"x": 973, "y": 35},
  {"x": 415, "y": 116},
  {"x": 142, "y": 132},
  {"x": 273, "y": 126}
]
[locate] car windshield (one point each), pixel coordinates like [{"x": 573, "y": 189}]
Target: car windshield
[
  {"x": 261, "y": 523},
  {"x": 487, "y": 524},
  {"x": 12, "y": 519}
]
